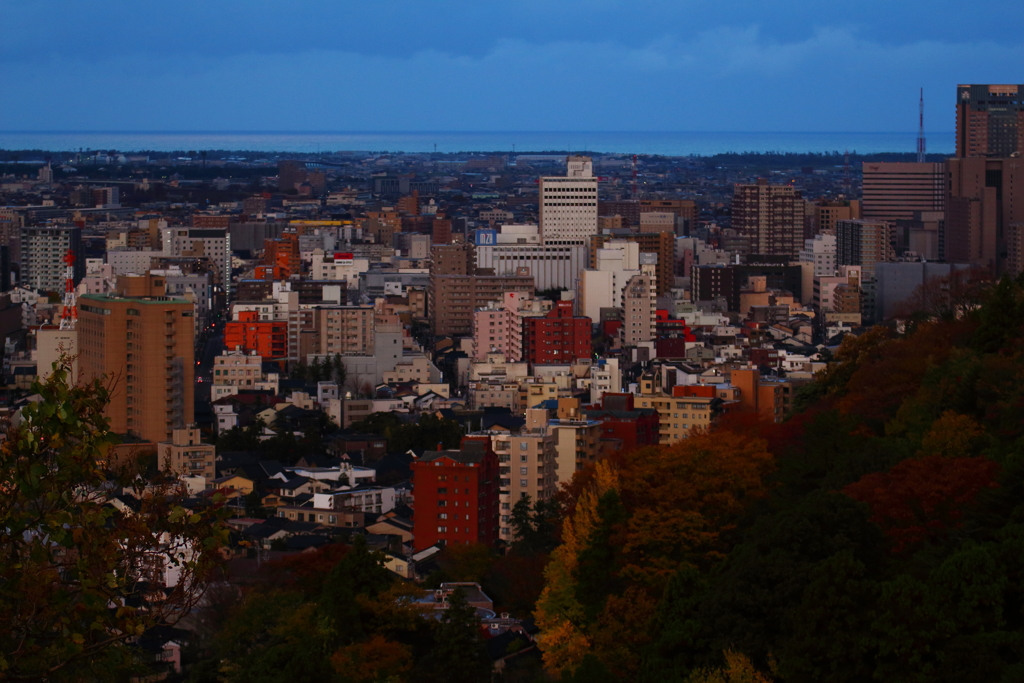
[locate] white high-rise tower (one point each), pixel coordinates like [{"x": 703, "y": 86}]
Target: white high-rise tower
[{"x": 568, "y": 205}]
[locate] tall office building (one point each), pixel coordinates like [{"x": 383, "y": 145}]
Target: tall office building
[
  {"x": 145, "y": 344},
  {"x": 42, "y": 256},
  {"x": 894, "y": 191},
  {"x": 865, "y": 243},
  {"x": 989, "y": 120},
  {"x": 985, "y": 209},
  {"x": 568, "y": 205},
  {"x": 771, "y": 216}
]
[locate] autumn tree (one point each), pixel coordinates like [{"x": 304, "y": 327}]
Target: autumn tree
[
  {"x": 920, "y": 498},
  {"x": 83, "y": 576}
]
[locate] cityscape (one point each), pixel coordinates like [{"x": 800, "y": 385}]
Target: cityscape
[{"x": 605, "y": 410}]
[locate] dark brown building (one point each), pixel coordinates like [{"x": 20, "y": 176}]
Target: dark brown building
[
  {"x": 452, "y": 299},
  {"x": 772, "y": 216},
  {"x": 453, "y": 259},
  {"x": 985, "y": 212},
  {"x": 989, "y": 120}
]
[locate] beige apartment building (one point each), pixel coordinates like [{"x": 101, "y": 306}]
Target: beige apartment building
[
  {"x": 345, "y": 330},
  {"x": 577, "y": 439},
  {"x": 234, "y": 371},
  {"x": 186, "y": 454},
  {"x": 145, "y": 345},
  {"x": 526, "y": 461}
]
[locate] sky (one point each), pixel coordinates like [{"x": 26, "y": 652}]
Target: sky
[{"x": 506, "y": 65}]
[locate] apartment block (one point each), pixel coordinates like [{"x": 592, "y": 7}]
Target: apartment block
[
  {"x": 558, "y": 337},
  {"x": 770, "y": 216},
  {"x": 146, "y": 345},
  {"x": 660, "y": 243},
  {"x": 457, "y": 495},
  {"x": 452, "y": 299},
  {"x": 43, "y": 252},
  {"x": 186, "y": 454}
]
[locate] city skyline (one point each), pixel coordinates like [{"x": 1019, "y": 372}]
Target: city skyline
[{"x": 736, "y": 66}]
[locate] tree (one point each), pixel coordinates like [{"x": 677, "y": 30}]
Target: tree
[
  {"x": 459, "y": 654},
  {"x": 76, "y": 565},
  {"x": 921, "y": 498}
]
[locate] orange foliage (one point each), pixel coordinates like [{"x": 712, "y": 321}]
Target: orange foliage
[
  {"x": 921, "y": 497},
  {"x": 893, "y": 370},
  {"x": 376, "y": 659},
  {"x": 683, "y": 497}
]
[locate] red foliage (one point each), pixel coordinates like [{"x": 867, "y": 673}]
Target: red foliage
[
  {"x": 921, "y": 497},
  {"x": 305, "y": 571}
]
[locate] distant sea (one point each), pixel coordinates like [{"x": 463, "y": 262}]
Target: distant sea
[{"x": 668, "y": 143}]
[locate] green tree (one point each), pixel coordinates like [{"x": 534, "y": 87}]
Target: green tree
[
  {"x": 76, "y": 565},
  {"x": 459, "y": 654}
]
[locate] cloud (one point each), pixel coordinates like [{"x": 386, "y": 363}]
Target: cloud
[{"x": 726, "y": 78}]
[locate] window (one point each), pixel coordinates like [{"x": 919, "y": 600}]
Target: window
[
  {"x": 441, "y": 490},
  {"x": 442, "y": 529},
  {"x": 442, "y": 515},
  {"x": 524, "y": 470},
  {"x": 523, "y": 483}
]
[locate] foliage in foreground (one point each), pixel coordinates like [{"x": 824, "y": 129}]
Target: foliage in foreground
[
  {"x": 878, "y": 534},
  {"x": 81, "y": 578}
]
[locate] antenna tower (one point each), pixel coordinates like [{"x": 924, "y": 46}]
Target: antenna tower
[
  {"x": 70, "y": 315},
  {"x": 920, "y": 129}
]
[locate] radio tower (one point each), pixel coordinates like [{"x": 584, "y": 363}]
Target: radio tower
[
  {"x": 920, "y": 129},
  {"x": 70, "y": 315}
]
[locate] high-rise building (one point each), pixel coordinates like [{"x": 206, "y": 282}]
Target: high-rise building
[
  {"x": 457, "y": 495},
  {"x": 452, "y": 299},
  {"x": 771, "y": 216},
  {"x": 894, "y": 191},
  {"x": 146, "y": 346},
  {"x": 568, "y": 205},
  {"x": 864, "y": 243},
  {"x": 989, "y": 120},
  {"x": 985, "y": 204},
  {"x": 660, "y": 243},
  {"x": 638, "y": 310},
  {"x": 43, "y": 250},
  {"x": 558, "y": 337}
]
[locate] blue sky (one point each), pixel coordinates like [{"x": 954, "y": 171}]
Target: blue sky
[{"x": 404, "y": 65}]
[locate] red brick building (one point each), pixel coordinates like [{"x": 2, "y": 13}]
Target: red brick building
[
  {"x": 456, "y": 495},
  {"x": 558, "y": 337},
  {"x": 635, "y": 427},
  {"x": 268, "y": 338}
]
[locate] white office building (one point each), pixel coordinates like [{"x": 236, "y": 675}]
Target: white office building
[{"x": 568, "y": 205}]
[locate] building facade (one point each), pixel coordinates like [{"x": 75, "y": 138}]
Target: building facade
[
  {"x": 43, "y": 252},
  {"x": 989, "y": 120},
  {"x": 770, "y": 216},
  {"x": 894, "y": 191},
  {"x": 568, "y": 205},
  {"x": 146, "y": 346},
  {"x": 457, "y": 495}
]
